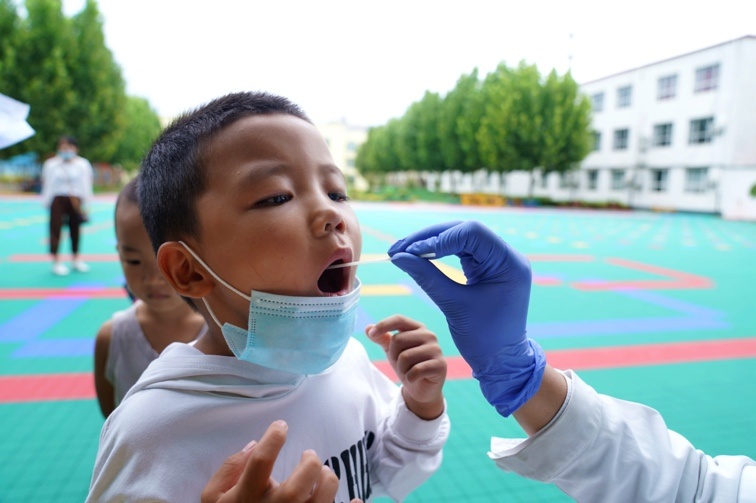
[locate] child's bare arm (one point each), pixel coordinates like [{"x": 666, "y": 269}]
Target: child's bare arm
[
  {"x": 105, "y": 392},
  {"x": 416, "y": 357},
  {"x": 245, "y": 476}
]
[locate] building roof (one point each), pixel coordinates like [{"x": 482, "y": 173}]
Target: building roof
[{"x": 745, "y": 37}]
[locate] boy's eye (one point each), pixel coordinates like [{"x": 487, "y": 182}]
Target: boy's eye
[
  {"x": 133, "y": 262},
  {"x": 338, "y": 196},
  {"x": 274, "y": 201}
]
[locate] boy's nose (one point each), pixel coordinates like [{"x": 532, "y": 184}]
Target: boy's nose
[{"x": 327, "y": 219}]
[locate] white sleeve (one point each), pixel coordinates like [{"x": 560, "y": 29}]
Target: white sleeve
[
  {"x": 46, "y": 185},
  {"x": 88, "y": 181},
  {"x": 602, "y": 449},
  {"x": 408, "y": 451}
]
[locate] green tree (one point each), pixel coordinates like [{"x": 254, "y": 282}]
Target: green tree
[
  {"x": 141, "y": 127},
  {"x": 531, "y": 124},
  {"x": 97, "y": 113},
  {"x": 429, "y": 155},
  {"x": 567, "y": 121},
  {"x": 459, "y": 122},
  {"x": 39, "y": 74},
  {"x": 9, "y": 28}
]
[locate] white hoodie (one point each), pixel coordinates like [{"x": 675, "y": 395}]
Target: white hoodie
[{"x": 190, "y": 411}]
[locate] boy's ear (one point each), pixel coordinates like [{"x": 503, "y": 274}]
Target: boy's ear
[{"x": 183, "y": 273}]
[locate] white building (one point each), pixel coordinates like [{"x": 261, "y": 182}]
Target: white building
[
  {"x": 679, "y": 134},
  {"x": 343, "y": 141}
]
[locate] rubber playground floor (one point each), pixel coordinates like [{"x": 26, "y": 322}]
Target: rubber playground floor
[{"x": 649, "y": 307}]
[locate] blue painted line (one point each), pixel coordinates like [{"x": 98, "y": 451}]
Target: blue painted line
[
  {"x": 671, "y": 303},
  {"x": 55, "y": 348},
  {"x": 38, "y": 319},
  {"x": 621, "y": 326}
]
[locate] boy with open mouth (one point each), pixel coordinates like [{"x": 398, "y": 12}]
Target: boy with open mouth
[{"x": 247, "y": 211}]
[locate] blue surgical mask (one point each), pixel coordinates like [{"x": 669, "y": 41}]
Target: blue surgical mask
[
  {"x": 66, "y": 155},
  {"x": 301, "y": 335}
]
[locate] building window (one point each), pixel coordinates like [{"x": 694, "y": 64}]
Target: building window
[
  {"x": 596, "y": 141},
  {"x": 618, "y": 179},
  {"x": 659, "y": 180},
  {"x": 350, "y": 162},
  {"x": 624, "y": 96},
  {"x": 351, "y": 146},
  {"x": 591, "y": 178},
  {"x": 621, "y": 137},
  {"x": 667, "y": 88},
  {"x": 702, "y": 130},
  {"x": 568, "y": 180},
  {"x": 598, "y": 102},
  {"x": 662, "y": 135},
  {"x": 707, "y": 78},
  {"x": 544, "y": 180},
  {"x": 696, "y": 180}
]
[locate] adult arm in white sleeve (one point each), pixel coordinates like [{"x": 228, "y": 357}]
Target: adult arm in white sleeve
[{"x": 600, "y": 448}]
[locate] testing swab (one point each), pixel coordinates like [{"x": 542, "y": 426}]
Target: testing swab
[{"x": 374, "y": 260}]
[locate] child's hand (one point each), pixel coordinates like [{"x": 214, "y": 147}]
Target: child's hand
[
  {"x": 416, "y": 357},
  {"x": 245, "y": 476}
]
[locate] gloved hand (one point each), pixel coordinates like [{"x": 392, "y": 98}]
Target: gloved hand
[{"x": 487, "y": 316}]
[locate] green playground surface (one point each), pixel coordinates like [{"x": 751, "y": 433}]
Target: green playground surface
[{"x": 658, "y": 308}]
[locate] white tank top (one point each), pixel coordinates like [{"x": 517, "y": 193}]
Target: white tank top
[{"x": 130, "y": 352}]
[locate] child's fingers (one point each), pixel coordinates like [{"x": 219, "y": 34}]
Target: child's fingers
[
  {"x": 383, "y": 339},
  {"x": 299, "y": 486},
  {"x": 393, "y": 323},
  {"x": 255, "y": 479},
  {"x": 227, "y": 475},
  {"x": 407, "y": 359},
  {"x": 433, "y": 370},
  {"x": 326, "y": 487}
]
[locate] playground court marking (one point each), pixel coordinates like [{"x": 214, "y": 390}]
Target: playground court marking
[{"x": 80, "y": 386}]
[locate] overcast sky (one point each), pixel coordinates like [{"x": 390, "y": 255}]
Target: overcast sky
[{"x": 367, "y": 61}]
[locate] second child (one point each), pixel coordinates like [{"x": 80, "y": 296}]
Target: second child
[{"x": 128, "y": 342}]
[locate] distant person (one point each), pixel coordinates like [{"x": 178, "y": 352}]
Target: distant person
[
  {"x": 594, "y": 447},
  {"x": 247, "y": 211},
  {"x": 128, "y": 342},
  {"x": 66, "y": 191}
]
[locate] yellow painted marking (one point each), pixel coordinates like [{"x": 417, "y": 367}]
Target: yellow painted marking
[{"x": 385, "y": 290}]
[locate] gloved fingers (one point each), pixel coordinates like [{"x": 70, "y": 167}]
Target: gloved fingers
[
  {"x": 469, "y": 238},
  {"x": 421, "y": 235},
  {"x": 436, "y": 284}
]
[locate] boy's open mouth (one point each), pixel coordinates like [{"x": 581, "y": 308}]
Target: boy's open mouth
[{"x": 334, "y": 281}]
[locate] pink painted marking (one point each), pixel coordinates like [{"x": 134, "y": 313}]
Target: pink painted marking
[
  {"x": 80, "y": 386},
  {"x": 546, "y": 257},
  {"x": 62, "y": 293},
  {"x": 40, "y": 388},
  {"x": 43, "y": 257},
  {"x": 675, "y": 279}
]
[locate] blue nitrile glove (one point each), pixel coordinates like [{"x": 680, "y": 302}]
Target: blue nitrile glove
[{"x": 488, "y": 315}]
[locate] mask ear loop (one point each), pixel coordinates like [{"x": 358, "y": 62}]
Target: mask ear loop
[{"x": 218, "y": 278}]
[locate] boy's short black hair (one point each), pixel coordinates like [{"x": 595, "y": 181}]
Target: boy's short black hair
[
  {"x": 128, "y": 193},
  {"x": 173, "y": 176}
]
